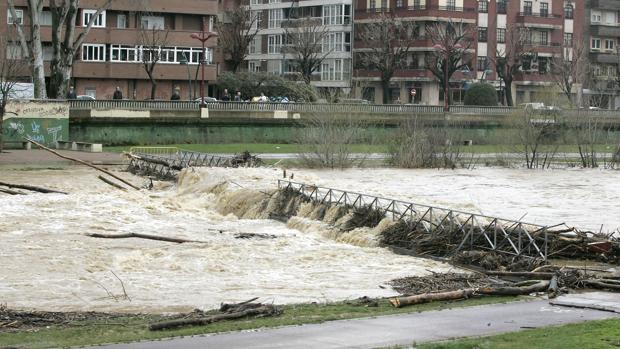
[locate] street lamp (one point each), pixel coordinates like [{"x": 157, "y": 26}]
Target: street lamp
[
  {"x": 203, "y": 37},
  {"x": 184, "y": 61},
  {"x": 447, "y": 53}
]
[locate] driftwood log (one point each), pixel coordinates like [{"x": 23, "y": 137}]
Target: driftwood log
[
  {"x": 82, "y": 162},
  {"x": 538, "y": 286},
  {"x": 107, "y": 181},
  {"x": 141, "y": 236},
  {"x": 526, "y": 274},
  {"x": 32, "y": 188},
  {"x": 602, "y": 284},
  {"x": 11, "y": 192},
  {"x": 226, "y": 312}
]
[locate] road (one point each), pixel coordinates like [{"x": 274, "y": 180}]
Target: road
[{"x": 385, "y": 331}]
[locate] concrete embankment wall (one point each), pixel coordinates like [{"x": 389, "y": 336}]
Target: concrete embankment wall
[{"x": 150, "y": 127}]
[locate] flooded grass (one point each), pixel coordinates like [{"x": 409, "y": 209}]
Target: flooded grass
[{"x": 134, "y": 328}]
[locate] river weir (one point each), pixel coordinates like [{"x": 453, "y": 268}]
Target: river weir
[{"x": 49, "y": 263}]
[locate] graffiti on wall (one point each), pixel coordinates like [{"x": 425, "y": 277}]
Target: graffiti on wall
[{"x": 42, "y": 122}]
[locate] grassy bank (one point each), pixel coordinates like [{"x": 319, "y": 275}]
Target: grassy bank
[
  {"x": 133, "y": 328},
  {"x": 594, "y": 334},
  {"x": 355, "y": 148}
]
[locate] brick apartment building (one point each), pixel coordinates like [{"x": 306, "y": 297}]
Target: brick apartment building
[
  {"x": 268, "y": 51},
  {"x": 550, "y": 24},
  {"x": 110, "y": 55},
  {"x": 604, "y": 32}
]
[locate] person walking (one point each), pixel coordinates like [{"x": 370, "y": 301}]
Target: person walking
[
  {"x": 175, "y": 95},
  {"x": 226, "y": 96},
  {"x": 118, "y": 94},
  {"x": 71, "y": 94}
]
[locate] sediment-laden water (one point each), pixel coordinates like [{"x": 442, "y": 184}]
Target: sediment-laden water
[{"x": 48, "y": 263}]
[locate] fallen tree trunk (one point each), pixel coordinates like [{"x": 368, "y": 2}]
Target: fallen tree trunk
[
  {"x": 82, "y": 162},
  {"x": 552, "y": 291},
  {"x": 141, "y": 236},
  {"x": 400, "y": 302},
  {"x": 107, "y": 181},
  {"x": 11, "y": 192},
  {"x": 540, "y": 286},
  {"x": 531, "y": 274},
  {"x": 263, "y": 310},
  {"x": 600, "y": 284},
  {"x": 32, "y": 188}
]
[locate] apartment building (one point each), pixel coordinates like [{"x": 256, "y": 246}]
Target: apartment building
[
  {"x": 112, "y": 53},
  {"x": 268, "y": 52},
  {"x": 604, "y": 36},
  {"x": 549, "y": 25}
]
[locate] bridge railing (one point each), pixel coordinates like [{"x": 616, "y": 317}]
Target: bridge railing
[{"x": 506, "y": 236}]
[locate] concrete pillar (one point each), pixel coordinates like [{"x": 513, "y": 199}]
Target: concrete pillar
[{"x": 430, "y": 93}]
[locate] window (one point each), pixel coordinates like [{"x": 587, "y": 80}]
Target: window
[
  {"x": 482, "y": 63},
  {"x": 258, "y": 22},
  {"x": 255, "y": 2},
  {"x": 336, "y": 14},
  {"x": 451, "y": 5},
  {"x": 275, "y": 18},
  {"x": 18, "y": 13},
  {"x": 335, "y": 70},
  {"x": 336, "y": 42},
  {"x": 123, "y": 53},
  {"x": 93, "y": 53},
  {"x": 121, "y": 21},
  {"x": 152, "y": 22},
  {"x": 544, "y": 38},
  {"x": 501, "y": 35},
  {"x": 568, "y": 11},
  {"x": 482, "y": 34},
  {"x": 274, "y": 1},
  {"x": 400, "y": 3},
  {"x": 254, "y": 46},
  {"x": 544, "y": 9},
  {"x": 98, "y": 22},
  {"x": 274, "y": 66},
  {"x": 596, "y": 17},
  {"x": 384, "y": 4},
  {"x": 595, "y": 43},
  {"x": 501, "y": 6},
  {"x": 610, "y": 44},
  {"x": 483, "y": 6},
  {"x": 373, "y": 4},
  {"x": 568, "y": 39},
  {"x": 527, "y": 8},
  {"x": 274, "y": 44},
  {"x": 45, "y": 18},
  {"x": 253, "y": 66},
  {"x": 91, "y": 91},
  {"x": 611, "y": 71}
]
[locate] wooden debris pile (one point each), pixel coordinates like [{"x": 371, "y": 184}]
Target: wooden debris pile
[
  {"x": 233, "y": 311},
  {"x": 14, "y": 320},
  {"x": 246, "y": 159},
  {"x": 441, "y": 282}
]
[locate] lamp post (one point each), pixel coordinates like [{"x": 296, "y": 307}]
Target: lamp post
[
  {"x": 184, "y": 61},
  {"x": 203, "y": 36},
  {"x": 447, "y": 52}
]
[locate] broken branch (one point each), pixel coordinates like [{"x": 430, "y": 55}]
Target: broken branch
[
  {"x": 141, "y": 236},
  {"x": 32, "y": 188}
]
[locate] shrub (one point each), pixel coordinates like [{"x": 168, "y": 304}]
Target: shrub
[
  {"x": 253, "y": 84},
  {"x": 481, "y": 94}
]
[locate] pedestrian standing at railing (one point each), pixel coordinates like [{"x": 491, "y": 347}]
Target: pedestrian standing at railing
[
  {"x": 118, "y": 94},
  {"x": 175, "y": 95},
  {"x": 71, "y": 94},
  {"x": 238, "y": 96},
  {"x": 226, "y": 96}
]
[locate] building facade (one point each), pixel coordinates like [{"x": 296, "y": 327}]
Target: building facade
[
  {"x": 333, "y": 20},
  {"x": 603, "y": 30},
  {"x": 113, "y": 51},
  {"x": 548, "y": 24}
]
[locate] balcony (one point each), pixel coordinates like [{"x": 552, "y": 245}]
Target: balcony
[
  {"x": 423, "y": 8},
  {"x": 599, "y": 29},
  {"x": 540, "y": 20},
  {"x": 605, "y": 5},
  {"x": 604, "y": 57}
]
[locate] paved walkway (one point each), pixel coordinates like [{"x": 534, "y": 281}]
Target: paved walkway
[
  {"x": 391, "y": 330},
  {"x": 39, "y": 157}
]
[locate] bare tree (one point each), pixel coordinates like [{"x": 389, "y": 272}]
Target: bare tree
[
  {"x": 31, "y": 46},
  {"x": 66, "y": 41},
  {"x": 236, "y": 33},
  {"x": 13, "y": 67},
  {"x": 386, "y": 43},
  {"x": 570, "y": 68},
  {"x": 509, "y": 60},
  {"x": 304, "y": 38},
  {"x": 454, "y": 41},
  {"x": 151, "y": 41}
]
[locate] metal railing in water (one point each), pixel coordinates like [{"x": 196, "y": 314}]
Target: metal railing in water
[{"x": 507, "y": 236}]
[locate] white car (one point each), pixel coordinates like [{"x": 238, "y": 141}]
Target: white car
[
  {"x": 85, "y": 97},
  {"x": 207, "y": 100}
]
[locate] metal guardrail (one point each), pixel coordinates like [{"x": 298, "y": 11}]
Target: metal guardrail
[
  {"x": 166, "y": 162},
  {"x": 512, "y": 237}
]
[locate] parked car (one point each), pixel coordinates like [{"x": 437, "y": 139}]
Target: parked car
[
  {"x": 207, "y": 100},
  {"x": 86, "y": 98}
]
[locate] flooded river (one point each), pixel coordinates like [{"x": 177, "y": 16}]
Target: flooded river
[{"x": 48, "y": 263}]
